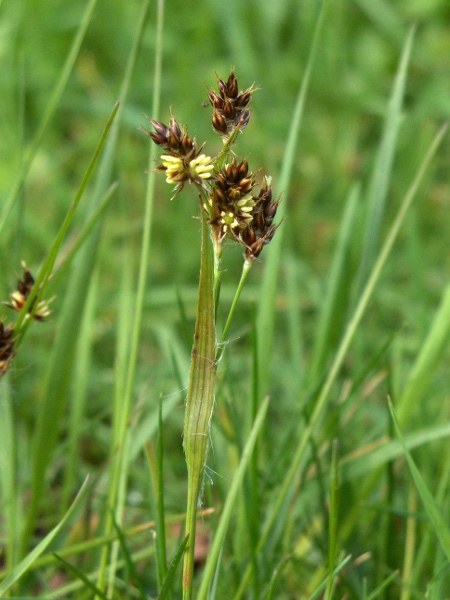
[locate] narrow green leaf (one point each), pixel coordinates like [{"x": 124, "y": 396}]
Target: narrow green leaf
[
  {"x": 168, "y": 581},
  {"x": 200, "y": 398},
  {"x": 24, "y": 565},
  {"x": 341, "y": 353},
  {"x": 276, "y": 576},
  {"x": 318, "y": 593},
  {"x": 336, "y": 282},
  {"x": 383, "y": 167},
  {"x": 51, "y": 107},
  {"x": 87, "y": 582},
  {"x": 266, "y": 310},
  {"x": 431, "y": 351},
  {"x": 334, "y": 504},
  {"x": 230, "y": 503},
  {"x": 440, "y": 525}
]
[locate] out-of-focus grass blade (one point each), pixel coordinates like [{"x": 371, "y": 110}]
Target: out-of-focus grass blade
[
  {"x": 45, "y": 271},
  {"x": 9, "y": 494},
  {"x": 275, "y": 577},
  {"x": 166, "y": 588},
  {"x": 132, "y": 574},
  {"x": 341, "y": 353},
  {"x": 336, "y": 282},
  {"x": 318, "y": 593},
  {"x": 79, "y": 398},
  {"x": 333, "y": 520},
  {"x": 380, "y": 588},
  {"x": 383, "y": 166},
  {"x": 266, "y": 309},
  {"x": 87, "y": 582},
  {"x": 426, "y": 363},
  {"x": 60, "y": 362},
  {"x": 155, "y": 463},
  {"x": 121, "y": 415},
  {"x": 360, "y": 463},
  {"x": 23, "y": 566},
  {"x": 51, "y": 107},
  {"x": 439, "y": 524},
  {"x": 230, "y": 503}
]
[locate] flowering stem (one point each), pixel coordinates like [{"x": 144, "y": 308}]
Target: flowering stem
[
  {"x": 226, "y": 148},
  {"x": 200, "y": 398},
  {"x": 245, "y": 270},
  {"x": 217, "y": 272}
]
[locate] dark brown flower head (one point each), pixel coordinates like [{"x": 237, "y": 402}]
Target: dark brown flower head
[
  {"x": 183, "y": 162},
  {"x": 7, "y": 351},
  {"x": 261, "y": 229},
  {"x": 173, "y": 139},
  {"x": 232, "y": 202},
  {"x": 20, "y": 296},
  {"x": 230, "y": 106}
]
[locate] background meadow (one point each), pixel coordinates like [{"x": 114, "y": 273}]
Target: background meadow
[{"x": 367, "y": 122}]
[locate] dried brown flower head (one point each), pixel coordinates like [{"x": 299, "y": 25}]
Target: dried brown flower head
[
  {"x": 230, "y": 106},
  {"x": 7, "y": 351},
  {"x": 20, "y": 296},
  {"x": 232, "y": 202},
  {"x": 261, "y": 229},
  {"x": 183, "y": 162}
]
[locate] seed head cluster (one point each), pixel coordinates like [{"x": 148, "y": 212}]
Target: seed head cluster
[
  {"x": 7, "y": 351},
  {"x": 20, "y": 296},
  {"x": 183, "y": 162},
  {"x": 40, "y": 311},
  {"x": 226, "y": 184},
  {"x": 230, "y": 106}
]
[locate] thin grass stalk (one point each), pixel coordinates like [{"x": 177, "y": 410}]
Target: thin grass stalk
[
  {"x": 119, "y": 441},
  {"x": 48, "y": 114},
  {"x": 342, "y": 351},
  {"x": 77, "y": 408},
  {"x": 29, "y": 559},
  {"x": 45, "y": 271},
  {"x": 8, "y": 477},
  {"x": 410, "y": 544},
  {"x": 200, "y": 399},
  {"x": 435, "y": 515},
  {"x": 61, "y": 360},
  {"x": 431, "y": 350},
  {"x": 336, "y": 279},
  {"x": 161, "y": 528},
  {"x": 379, "y": 184},
  {"x": 333, "y": 520},
  {"x": 229, "y": 506},
  {"x": 266, "y": 310},
  {"x": 245, "y": 271}
]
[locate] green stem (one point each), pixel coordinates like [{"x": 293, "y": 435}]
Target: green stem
[
  {"x": 217, "y": 272},
  {"x": 200, "y": 398},
  {"x": 245, "y": 270}
]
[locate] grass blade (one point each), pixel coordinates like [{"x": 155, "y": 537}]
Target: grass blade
[
  {"x": 168, "y": 581},
  {"x": 383, "y": 167},
  {"x": 24, "y": 565},
  {"x": 230, "y": 503},
  {"x": 51, "y": 107},
  {"x": 200, "y": 399},
  {"x": 87, "y": 582},
  {"x": 426, "y": 363},
  {"x": 439, "y": 524},
  {"x": 342, "y": 351},
  {"x": 266, "y": 310}
]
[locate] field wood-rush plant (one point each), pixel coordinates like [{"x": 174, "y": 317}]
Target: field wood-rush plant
[{"x": 280, "y": 434}]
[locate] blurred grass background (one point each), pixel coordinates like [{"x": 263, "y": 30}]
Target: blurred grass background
[{"x": 268, "y": 43}]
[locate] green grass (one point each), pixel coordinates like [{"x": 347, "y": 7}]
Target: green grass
[{"x": 347, "y": 307}]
